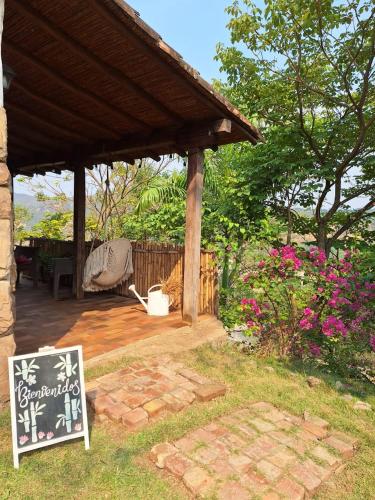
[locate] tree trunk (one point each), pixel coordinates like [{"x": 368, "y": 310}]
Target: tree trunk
[
  {"x": 321, "y": 237},
  {"x": 290, "y": 227},
  {"x": 225, "y": 274}
]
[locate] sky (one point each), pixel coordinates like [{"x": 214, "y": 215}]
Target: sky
[{"x": 191, "y": 27}]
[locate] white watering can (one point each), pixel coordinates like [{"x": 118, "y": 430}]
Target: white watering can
[{"x": 157, "y": 302}]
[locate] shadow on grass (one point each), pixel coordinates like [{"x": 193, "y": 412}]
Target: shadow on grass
[{"x": 354, "y": 386}]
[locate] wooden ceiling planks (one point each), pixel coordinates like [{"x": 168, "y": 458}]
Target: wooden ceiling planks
[{"x": 94, "y": 81}]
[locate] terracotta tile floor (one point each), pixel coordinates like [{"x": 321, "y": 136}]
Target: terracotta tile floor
[{"x": 100, "y": 322}]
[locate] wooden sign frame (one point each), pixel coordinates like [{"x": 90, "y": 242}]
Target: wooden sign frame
[{"x": 47, "y": 351}]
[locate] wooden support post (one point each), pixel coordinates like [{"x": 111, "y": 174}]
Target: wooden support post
[
  {"x": 79, "y": 230},
  {"x": 193, "y": 236}
]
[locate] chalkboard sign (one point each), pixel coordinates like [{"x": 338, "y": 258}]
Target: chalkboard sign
[{"x": 47, "y": 395}]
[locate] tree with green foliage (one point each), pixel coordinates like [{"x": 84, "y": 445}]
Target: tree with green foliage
[
  {"x": 22, "y": 217},
  {"x": 304, "y": 69},
  {"x": 54, "y": 226}
]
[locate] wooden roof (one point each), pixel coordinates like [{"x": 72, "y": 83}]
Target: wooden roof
[{"x": 94, "y": 83}]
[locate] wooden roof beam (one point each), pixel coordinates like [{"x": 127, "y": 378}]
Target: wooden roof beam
[
  {"x": 203, "y": 135},
  {"x": 34, "y": 136},
  {"x": 44, "y": 101},
  {"x": 205, "y": 97},
  {"x": 41, "y": 21},
  {"x": 85, "y": 94},
  {"x": 43, "y": 122}
]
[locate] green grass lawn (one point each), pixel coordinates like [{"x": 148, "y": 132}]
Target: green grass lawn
[{"x": 117, "y": 467}]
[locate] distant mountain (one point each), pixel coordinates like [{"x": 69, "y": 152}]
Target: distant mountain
[{"x": 38, "y": 209}]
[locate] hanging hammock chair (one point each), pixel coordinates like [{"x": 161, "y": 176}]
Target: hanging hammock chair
[
  {"x": 108, "y": 265},
  {"x": 111, "y": 263}
]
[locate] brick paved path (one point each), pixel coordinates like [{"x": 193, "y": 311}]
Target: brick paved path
[
  {"x": 145, "y": 390},
  {"x": 256, "y": 452}
]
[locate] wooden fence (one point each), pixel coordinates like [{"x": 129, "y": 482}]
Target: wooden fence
[{"x": 152, "y": 262}]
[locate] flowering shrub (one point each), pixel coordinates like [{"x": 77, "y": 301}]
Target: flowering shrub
[{"x": 301, "y": 303}]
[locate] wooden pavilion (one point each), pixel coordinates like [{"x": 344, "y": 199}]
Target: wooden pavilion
[{"x": 94, "y": 84}]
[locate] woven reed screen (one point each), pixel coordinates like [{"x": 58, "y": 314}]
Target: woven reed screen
[{"x": 152, "y": 262}]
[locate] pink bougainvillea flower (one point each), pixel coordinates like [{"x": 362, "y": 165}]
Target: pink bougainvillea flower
[
  {"x": 372, "y": 342},
  {"x": 307, "y": 311},
  {"x": 317, "y": 256},
  {"x": 305, "y": 324},
  {"x": 274, "y": 252},
  {"x": 23, "y": 439},
  {"x": 334, "y": 325},
  {"x": 261, "y": 264},
  {"x": 332, "y": 303},
  {"x": 315, "y": 350}
]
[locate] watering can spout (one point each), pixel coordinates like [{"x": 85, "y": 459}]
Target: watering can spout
[{"x": 132, "y": 289}]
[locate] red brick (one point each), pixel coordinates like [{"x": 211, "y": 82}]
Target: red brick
[
  {"x": 161, "y": 452},
  {"x": 270, "y": 471},
  {"x": 177, "y": 464},
  {"x": 185, "y": 444},
  {"x": 207, "y": 392},
  {"x": 324, "y": 455},
  {"x": 197, "y": 480},
  {"x": 119, "y": 395},
  {"x": 248, "y": 431},
  {"x": 231, "y": 491},
  {"x": 290, "y": 489},
  {"x": 101, "y": 418},
  {"x": 354, "y": 442},
  {"x": 135, "y": 419},
  {"x": 262, "y": 425},
  {"x": 323, "y": 473},
  {"x": 135, "y": 400},
  {"x": 241, "y": 463},
  {"x": 261, "y": 407},
  {"x": 221, "y": 468},
  {"x": 284, "y": 425},
  {"x": 93, "y": 394},
  {"x": 232, "y": 442},
  {"x": 155, "y": 407},
  {"x": 201, "y": 436},
  {"x": 173, "y": 404},
  {"x": 345, "y": 449},
  {"x": 256, "y": 483},
  {"x": 315, "y": 420},
  {"x": 215, "y": 429},
  {"x": 260, "y": 448},
  {"x": 271, "y": 495},
  {"x": 273, "y": 415},
  {"x": 116, "y": 411},
  {"x": 318, "y": 431},
  {"x": 207, "y": 454},
  {"x": 243, "y": 414},
  {"x": 306, "y": 477},
  {"x": 183, "y": 395},
  {"x": 101, "y": 403},
  {"x": 306, "y": 437},
  {"x": 193, "y": 376},
  {"x": 282, "y": 457}
]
